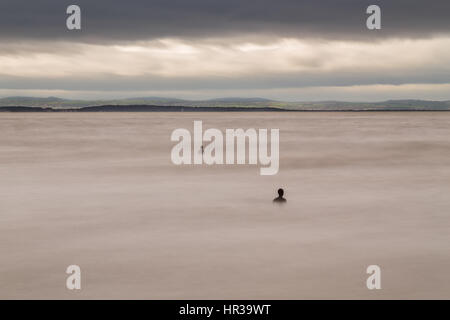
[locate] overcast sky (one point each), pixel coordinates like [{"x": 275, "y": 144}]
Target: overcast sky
[{"x": 297, "y": 50}]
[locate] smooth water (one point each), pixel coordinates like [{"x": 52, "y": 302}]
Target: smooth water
[{"x": 99, "y": 190}]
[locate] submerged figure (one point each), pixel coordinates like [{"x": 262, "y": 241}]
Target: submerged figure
[{"x": 280, "y": 198}]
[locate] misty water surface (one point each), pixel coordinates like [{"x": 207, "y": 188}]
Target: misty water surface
[{"x": 100, "y": 191}]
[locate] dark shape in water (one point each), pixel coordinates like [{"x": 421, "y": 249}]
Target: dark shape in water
[{"x": 280, "y": 198}]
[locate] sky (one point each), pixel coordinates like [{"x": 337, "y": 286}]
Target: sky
[{"x": 292, "y": 50}]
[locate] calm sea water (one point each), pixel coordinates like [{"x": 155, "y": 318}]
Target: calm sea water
[{"x": 100, "y": 191}]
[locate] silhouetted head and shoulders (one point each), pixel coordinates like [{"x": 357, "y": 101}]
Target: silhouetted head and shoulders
[{"x": 280, "y": 198}]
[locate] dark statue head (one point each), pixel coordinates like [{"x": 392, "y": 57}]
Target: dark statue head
[{"x": 280, "y": 192}]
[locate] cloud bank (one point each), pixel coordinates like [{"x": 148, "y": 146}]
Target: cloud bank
[{"x": 189, "y": 48}]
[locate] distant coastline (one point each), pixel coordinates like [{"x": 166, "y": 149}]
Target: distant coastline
[
  {"x": 143, "y": 108},
  {"x": 153, "y": 108},
  {"x": 159, "y": 104}
]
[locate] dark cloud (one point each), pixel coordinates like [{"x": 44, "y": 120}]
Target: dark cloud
[{"x": 112, "y": 20}]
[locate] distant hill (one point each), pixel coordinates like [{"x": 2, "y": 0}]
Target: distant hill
[
  {"x": 139, "y": 108},
  {"x": 29, "y": 101},
  {"x": 240, "y": 100},
  {"x": 220, "y": 104}
]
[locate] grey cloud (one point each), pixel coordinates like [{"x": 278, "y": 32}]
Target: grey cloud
[
  {"x": 108, "y": 82},
  {"x": 113, "y": 20}
]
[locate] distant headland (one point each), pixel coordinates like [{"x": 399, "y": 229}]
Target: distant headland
[
  {"x": 158, "y": 104},
  {"x": 140, "y": 108}
]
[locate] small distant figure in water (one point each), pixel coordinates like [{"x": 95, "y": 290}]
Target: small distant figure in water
[
  {"x": 280, "y": 198},
  {"x": 202, "y": 149}
]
